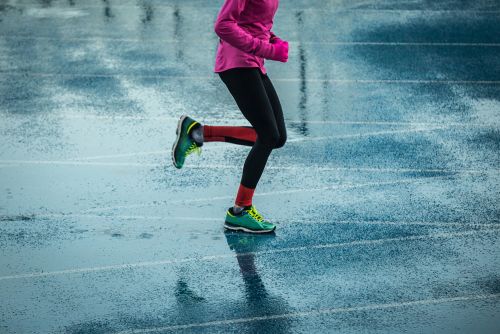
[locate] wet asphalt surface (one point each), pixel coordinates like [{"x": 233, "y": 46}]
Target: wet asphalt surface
[{"x": 385, "y": 195}]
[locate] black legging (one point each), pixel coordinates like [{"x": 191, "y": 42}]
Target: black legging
[{"x": 255, "y": 96}]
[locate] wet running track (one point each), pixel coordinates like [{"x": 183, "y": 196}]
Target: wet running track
[{"x": 386, "y": 194}]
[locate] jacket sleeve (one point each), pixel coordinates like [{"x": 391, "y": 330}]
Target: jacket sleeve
[{"x": 227, "y": 28}]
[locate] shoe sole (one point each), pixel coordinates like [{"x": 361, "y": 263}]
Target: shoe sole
[
  {"x": 178, "y": 134},
  {"x": 232, "y": 227}
]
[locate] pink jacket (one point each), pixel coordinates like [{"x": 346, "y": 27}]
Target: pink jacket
[{"x": 244, "y": 28}]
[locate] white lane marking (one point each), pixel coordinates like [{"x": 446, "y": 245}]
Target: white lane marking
[
  {"x": 397, "y": 10},
  {"x": 119, "y": 155},
  {"x": 356, "y": 169},
  {"x": 319, "y": 312},
  {"x": 293, "y": 140},
  {"x": 368, "y": 43},
  {"x": 287, "y": 8},
  {"x": 390, "y": 81},
  {"x": 126, "y": 217},
  {"x": 271, "y": 193},
  {"x": 366, "y": 134},
  {"x": 309, "y": 221},
  {"x": 213, "y": 77},
  {"x": 226, "y": 256},
  {"x": 394, "y": 223},
  {"x": 228, "y": 120},
  {"x": 419, "y": 124},
  {"x": 78, "y": 162},
  {"x": 213, "y": 39}
]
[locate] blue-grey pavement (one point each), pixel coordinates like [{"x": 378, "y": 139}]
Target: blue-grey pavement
[{"x": 385, "y": 195}]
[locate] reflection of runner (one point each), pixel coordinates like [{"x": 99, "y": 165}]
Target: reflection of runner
[
  {"x": 259, "y": 300},
  {"x": 244, "y": 28},
  {"x": 195, "y": 307}
]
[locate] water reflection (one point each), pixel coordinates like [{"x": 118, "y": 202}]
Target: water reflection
[
  {"x": 258, "y": 298},
  {"x": 258, "y": 301},
  {"x": 107, "y": 9},
  {"x": 178, "y": 34},
  {"x": 3, "y": 6},
  {"x": 184, "y": 295},
  {"x": 325, "y": 101},
  {"x": 148, "y": 12},
  {"x": 45, "y": 3},
  {"x": 301, "y": 127}
]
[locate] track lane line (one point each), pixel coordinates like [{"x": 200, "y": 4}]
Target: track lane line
[
  {"x": 231, "y": 120},
  {"x": 77, "y": 162},
  {"x": 338, "y": 81},
  {"x": 213, "y": 39},
  {"x": 346, "y": 186},
  {"x": 281, "y": 222},
  {"x": 284, "y": 8},
  {"x": 319, "y": 312},
  {"x": 367, "y": 134},
  {"x": 228, "y": 256}
]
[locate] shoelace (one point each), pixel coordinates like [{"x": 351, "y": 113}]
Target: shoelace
[
  {"x": 255, "y": 214},
  {"x": 193, "y": 148}
]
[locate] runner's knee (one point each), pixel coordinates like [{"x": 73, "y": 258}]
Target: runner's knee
[{"x": 271, "y": 139}]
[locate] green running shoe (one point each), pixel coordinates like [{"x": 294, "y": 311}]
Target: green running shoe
[
  {"x": 184, "y": 145},
  {"x": 249, "y": 220}
]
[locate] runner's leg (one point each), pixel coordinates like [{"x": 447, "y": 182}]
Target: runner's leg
[{"x": 247, "y": 87}]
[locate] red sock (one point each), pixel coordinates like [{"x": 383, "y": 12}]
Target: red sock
[
  {"x": 235, "y": 134},
  {"x": 244, "y": 196}
]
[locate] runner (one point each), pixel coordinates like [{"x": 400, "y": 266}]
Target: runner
[{"x": 244, "y": 28}]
